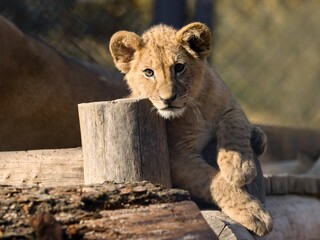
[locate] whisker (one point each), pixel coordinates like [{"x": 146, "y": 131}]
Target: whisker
[
  {"x": 153, "y": 109},
  {"x": 195, "y": 109},
  {"x": 204, "y": 94}
]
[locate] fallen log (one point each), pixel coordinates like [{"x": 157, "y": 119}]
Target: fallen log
[
  {"x": 284, "y": 184},
  {"x": 181, "y": 220},
  {"x": 288, "y": 143},
  {"x": 224, "y": 227},
  {"x": 112, "y": 211},
  {"x": 139, "y": 210}
]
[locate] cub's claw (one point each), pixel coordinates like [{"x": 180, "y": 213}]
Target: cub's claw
[
  {"x": 234, "y": 169},
  {"x": 256, "y": 219},
  {"x": 262, "y": 224}
]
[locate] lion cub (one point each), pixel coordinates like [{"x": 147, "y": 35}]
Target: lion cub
[{"x": 169, "y": 67}]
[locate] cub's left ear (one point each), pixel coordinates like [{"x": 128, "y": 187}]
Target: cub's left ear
[
  {"x": 123, "y": 45},
  {"x": 196, "y": 39}
]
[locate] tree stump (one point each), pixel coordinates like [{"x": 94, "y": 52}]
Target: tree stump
[{"x": 123, "y": 140}]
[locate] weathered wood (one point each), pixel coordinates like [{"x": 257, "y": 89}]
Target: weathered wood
[
  {"x": 315, "y": 170},
  {"x": 91, "y": 212},
  {"x": 278, "y": 167},
  {"x": 224, "y": 227},
  {"x": 63, "y": 167},
  {"x": 19, "y": 203},
  {"x": 294, "y": 217},
  {"x": 292, "y": 184},
  {"x": 164, "y": 221},
  {"x": 287, "y": 142},
  {"x": 56, "y": 167},
  {"x": 123, "y": 140}
]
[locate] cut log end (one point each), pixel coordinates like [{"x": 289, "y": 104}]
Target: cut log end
[{"x": 123, "y": 140}]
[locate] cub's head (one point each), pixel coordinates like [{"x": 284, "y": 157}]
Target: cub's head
[{"x": 164, "y": 64}]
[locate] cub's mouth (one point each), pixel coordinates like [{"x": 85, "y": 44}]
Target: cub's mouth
[
  {"x": 171, "y": 108},
  {"x": 171, "y": 112}
]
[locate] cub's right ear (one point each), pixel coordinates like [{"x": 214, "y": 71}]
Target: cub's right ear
[
  {"x": 196, "y": 39},
  {"x": 122, "y": 46}
]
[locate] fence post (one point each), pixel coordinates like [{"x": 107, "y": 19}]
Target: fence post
[{"x": 123, "y": 140}]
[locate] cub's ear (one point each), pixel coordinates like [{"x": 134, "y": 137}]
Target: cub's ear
[
  {"x": 196, "y": 39},
  {"x": 122, "y": 46}
]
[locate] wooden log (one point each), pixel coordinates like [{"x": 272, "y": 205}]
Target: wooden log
[
  {"x": 56, "y": 167},
  {"x": 292, "y": 184},
  {"x": 181, "y": 220},
  {"x": 123, "y": 140},
  {"x": 315, "y": 170},
  {"x": 110, "y": 210},
  {"x": 294, "y": 217},
  {"x": 287, "y": 142},
  {"x": 224, "y": 227}
]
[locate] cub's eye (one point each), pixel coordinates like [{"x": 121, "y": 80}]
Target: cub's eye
[
  {"x": 179, "y": 68},
  {"x": 148, "y": 73}
]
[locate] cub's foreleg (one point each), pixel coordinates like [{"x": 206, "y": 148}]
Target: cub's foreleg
[
  {"x": 235, "y": 156},
  {"x": 191, "y": 172},
  {"x": 240, "y": 206}
]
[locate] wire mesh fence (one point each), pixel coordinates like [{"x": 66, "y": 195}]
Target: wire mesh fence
[{"x": 266, "y": 51}]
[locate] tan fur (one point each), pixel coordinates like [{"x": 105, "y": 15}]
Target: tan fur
[{"x": 199, "y": 107}]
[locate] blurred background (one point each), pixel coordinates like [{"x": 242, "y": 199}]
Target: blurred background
[{"x": 267, "y": 51}]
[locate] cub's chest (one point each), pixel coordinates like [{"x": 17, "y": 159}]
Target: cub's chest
[{"x": 190, "y": 133}]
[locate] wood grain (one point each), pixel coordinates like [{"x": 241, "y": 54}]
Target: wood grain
[
  {"x": 123, "y": 140},
  {"x": 56, "y": 167},
  {"x": 224, "y": 227},
  {"x": 295, "y": 217},
  {"x": 120, "y": 211},
  {"x": 282, "y": 184},
  {"x": 163, "y": 221}
]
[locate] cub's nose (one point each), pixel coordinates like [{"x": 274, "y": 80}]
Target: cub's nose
[{"x": 170, "y": 99}]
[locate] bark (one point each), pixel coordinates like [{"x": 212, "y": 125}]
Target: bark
[{"x": 25, "y": 212}]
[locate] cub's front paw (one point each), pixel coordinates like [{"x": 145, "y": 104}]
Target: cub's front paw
[
  {"x": 235, "y": 169},
  {"x": 261, "y": 223},
  {"x": 254, "y": 218}
]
